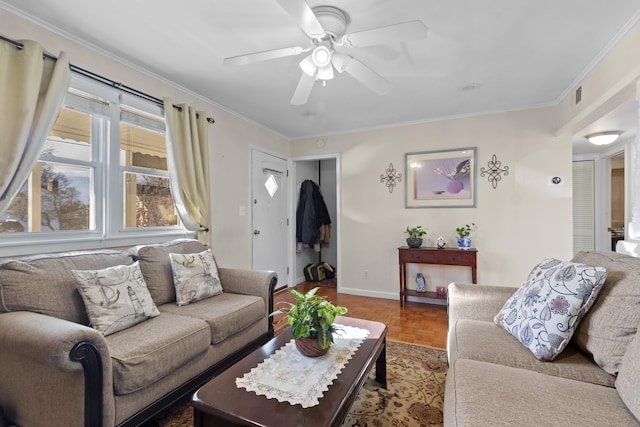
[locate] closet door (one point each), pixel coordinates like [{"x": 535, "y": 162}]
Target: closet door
[{"x": 583, "y": 206}]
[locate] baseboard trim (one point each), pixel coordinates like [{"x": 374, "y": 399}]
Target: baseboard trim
[{"x": 367, "y": 293}]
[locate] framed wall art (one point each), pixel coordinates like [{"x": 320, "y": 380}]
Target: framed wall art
[{"x": 441, "y": 179}]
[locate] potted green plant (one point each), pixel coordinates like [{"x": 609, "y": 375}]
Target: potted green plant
[
  {"x": 311, "y": 318},
  {"x": 464, "y": 233},
  {"x": 415, "y": 236}
]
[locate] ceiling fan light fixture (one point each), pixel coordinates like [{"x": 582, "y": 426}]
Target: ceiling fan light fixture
[
  {"x": 603, "y": 138},
  {"x": 321, "y": 56},
  {"x": 308, "y": 66},
  {"x": 340, "y": 61},
  {"x": 325, "y": 73}
]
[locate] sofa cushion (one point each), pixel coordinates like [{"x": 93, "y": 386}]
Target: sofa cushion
[
  {"x": 544, "y": 313},
  {"x": 487, "y": 394},
  {"x": 45, "y": 284},
  {"x": 115, "y": 297},
  {"x": 154, "y": 349},
  {"x": 195, "y": 276},
  {"x": 156, "y": 266},
  {"x": 608, "y": 328},
  {"x": 487, "y": 342},
  {"x": 226, "y": 314},
  {"x": 628, "y": 381}
]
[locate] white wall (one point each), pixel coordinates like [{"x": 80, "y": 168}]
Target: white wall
[
  {"x": 230, "y": 137},
  {"x": 611, "y": 82},
  {"x": 521, "y": 222}
]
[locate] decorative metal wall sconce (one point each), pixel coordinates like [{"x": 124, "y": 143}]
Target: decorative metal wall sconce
[
  {"x": 494, "y": 171},
  {"x": 390, "y": 177}
]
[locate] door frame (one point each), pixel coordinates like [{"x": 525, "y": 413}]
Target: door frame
[
  {"x": 336, "y": 223},
  {"x": 252, "y": 149},
  {"x": 603, "y": 194}
]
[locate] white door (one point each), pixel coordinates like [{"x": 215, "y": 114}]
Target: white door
[{"x": 269, "y": 214}]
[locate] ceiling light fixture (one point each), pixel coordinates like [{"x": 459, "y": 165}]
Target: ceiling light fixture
[
  {"x": 318, "y": 64},
  {"x": 308, "y": 66},
  {"x": 321, "y": 56},
  {"x": 603, "y": 138}
]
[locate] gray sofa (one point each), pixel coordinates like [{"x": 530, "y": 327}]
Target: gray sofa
[
  {"x": 494, "y": 380},
  {"x": 56, "y": 370}
]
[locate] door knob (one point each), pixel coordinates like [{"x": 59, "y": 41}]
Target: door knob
[{"x": 256, "y": 232}]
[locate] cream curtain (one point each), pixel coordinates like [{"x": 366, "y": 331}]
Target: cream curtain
[
  {"x": 188, "y": 162},
  {"x": 32, "y": 89}
]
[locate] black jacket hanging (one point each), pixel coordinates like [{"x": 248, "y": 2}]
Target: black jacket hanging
[{"x": 311, "y": 214}]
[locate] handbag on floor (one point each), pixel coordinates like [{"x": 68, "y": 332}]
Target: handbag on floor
[
  {"x": 314, "y": 273},
  {"x": 319, "y": 272}
]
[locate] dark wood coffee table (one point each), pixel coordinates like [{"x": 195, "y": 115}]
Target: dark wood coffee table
[{"x": 221, "y": 403}]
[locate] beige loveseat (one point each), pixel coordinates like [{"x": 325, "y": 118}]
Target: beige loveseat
[
  {"x": 494, "y": 380},
  {"x": 56, "y": 370}
]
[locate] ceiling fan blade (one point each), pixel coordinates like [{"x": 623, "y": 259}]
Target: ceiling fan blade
[
  {"x": 300, "y": 11},
  {"x": 264, "y": 56},
  {"x": 303, "y": 90},
  {"x": 367, "y": 76},
  {"x": 412, "y": 30}
]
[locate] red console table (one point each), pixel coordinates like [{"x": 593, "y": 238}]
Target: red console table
[{"x": 446, "y": 256}]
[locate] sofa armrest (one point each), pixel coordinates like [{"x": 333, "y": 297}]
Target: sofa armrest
[
  {"x": 477, "y": 302},
  {"x": 60, "y": 367},
  {"x": 249, "y": 282}
]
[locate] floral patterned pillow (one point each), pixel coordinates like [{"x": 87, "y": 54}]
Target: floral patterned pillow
[
  {"x": 195, "y": 277},
  {"x": 544, "y": 313}
]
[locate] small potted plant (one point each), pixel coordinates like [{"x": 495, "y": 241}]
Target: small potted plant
[
  {"x": 464, "y": 232},
  {"x": 415, "y": 236},
  {"x": 311, "y": 318}
]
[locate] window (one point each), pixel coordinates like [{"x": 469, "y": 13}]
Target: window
[
  {"x": 102, "y": 173},
  {"x": 146, "y": 191}
]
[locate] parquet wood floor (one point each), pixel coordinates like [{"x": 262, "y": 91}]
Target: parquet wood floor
[{"x": 416, "y": 323}]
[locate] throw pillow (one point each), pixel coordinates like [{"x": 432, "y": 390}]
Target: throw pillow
[
  {"x": 629, "y": 377},
  {"x": 156, "y": 266},
  {"x": 115, "y": 298},
  {"x": 608, "y": 328},
  {"x": 544, "y": 313},
  {"x": 195, "y": 277}
]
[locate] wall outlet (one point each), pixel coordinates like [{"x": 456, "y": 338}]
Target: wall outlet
[
  {"x": 242, "y": 211},
  {"x": 366, "y": 274}
]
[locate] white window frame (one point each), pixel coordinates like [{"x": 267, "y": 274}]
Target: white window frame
[{"x": 108, "y": 180}]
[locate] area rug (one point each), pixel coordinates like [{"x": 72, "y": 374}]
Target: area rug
[{"x": 414, "y": 395}]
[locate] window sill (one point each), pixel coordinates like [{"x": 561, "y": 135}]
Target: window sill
[{"x": 12, "y": 247}]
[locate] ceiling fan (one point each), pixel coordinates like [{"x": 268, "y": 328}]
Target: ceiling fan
[{"x": 326, "y": 27}]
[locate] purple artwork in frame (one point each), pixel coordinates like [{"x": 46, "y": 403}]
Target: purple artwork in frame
[{"x": 440, "y": 179}]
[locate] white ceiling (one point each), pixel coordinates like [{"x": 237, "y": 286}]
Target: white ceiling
[{"x": 511, "y": 54}]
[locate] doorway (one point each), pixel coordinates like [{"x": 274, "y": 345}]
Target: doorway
[
  {"x": 617, "y": 198},
  {"x": 324, "y": 171}
]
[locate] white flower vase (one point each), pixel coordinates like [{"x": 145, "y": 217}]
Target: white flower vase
[{"x": 464, "y": 243}]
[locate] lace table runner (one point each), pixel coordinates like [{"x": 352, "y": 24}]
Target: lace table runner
[{"x": 288, "y": 376}]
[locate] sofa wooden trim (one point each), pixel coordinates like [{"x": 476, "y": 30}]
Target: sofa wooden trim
[{"x": 89, "y": 356}]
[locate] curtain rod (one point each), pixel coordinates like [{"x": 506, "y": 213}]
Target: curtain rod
[{"x": 105, "y": 80}]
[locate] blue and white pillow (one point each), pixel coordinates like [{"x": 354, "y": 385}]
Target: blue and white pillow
[{"x": 544, "y": 313}]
